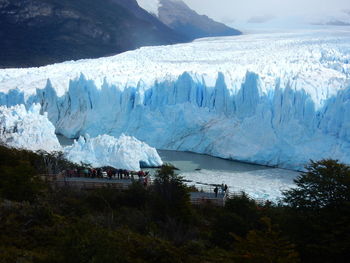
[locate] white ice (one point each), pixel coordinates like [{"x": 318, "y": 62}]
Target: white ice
[
  {"x": 265, "y": 184},
  {"x": 273, "y": 99},
  {"x": 27, "y": 129},
  {"x": 124, "y": 152}
]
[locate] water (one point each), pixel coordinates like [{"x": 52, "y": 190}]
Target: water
[
  {"x": 64, "y": 141},
  {"x": 203, "y": 171},
  {"x": 189, "y": 162}
]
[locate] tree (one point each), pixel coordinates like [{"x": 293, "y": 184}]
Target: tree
[
  {"x": 239, "y": 216},
  {"x": 18, "y": 179},
  {"x": 265, "y": 246},
  {"x": 325, "y": 183},
  {"x": 171, "y": 197}
]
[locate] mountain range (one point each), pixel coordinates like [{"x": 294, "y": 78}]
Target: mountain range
[
  {"x": 41, "y": 32},
  {"x": 180, "y": 17}
]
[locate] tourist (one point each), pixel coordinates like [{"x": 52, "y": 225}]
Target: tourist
[
  {"x": 225, "y": 188},
  {"x": 216, "y": 189},
  {"x": 222, "y": 188},
  {"x": 109, "y": 173},
  {"x": 145, "y": 181}
]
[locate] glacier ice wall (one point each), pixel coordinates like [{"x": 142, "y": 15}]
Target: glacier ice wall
[
  {"x": 278, "y": 99},
  {"x": 282, "y": 127},
  {"x": 27, "y": 129}
]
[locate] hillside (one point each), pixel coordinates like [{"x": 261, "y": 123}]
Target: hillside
[
  {"x": 185, "y": 21},
  {"x": 40, "y": 32}
]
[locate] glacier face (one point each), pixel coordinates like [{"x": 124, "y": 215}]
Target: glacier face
[
  {"x": 124, "y": 152},
  {"x": 277, "y": 99},
  {"x": 27, "y": 129}
]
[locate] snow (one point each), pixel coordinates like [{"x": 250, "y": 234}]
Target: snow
[
  {"x": 124, "y": 152},
  {"x": 275, "y": 99},
  {"x": 29, "y": 130},
  {"x": 151, "y": 6}
]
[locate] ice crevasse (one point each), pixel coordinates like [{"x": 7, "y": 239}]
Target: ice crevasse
[{"x": 276, "y": 99}]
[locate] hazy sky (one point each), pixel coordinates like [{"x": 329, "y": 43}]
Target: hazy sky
[{"x": 244, "y": 9}]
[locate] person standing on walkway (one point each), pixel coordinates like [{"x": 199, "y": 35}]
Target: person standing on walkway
[{"x": 216, "y": 189}]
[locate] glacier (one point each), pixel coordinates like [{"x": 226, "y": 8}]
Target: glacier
[
  {"x": 27, "y": 129},
  {"x": 276, "y": 99},
  {"x": 124, "y": 152}
]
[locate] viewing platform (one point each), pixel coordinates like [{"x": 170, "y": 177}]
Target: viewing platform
[
  {"x": 83, "y": 183},
  {"x": 202, "y": 198},
  {"x": 205, "y": 196}
]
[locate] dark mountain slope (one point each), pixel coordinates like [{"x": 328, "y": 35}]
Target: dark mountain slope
[
  {"x": 178, "y": 16},
  {"x": 40, "y": 32},
  {"x": 136, "y": 10}
]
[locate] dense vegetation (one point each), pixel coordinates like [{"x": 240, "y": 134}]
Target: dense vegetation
[{"x": 158, "y": 224}]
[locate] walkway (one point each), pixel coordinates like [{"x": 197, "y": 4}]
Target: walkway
[
  {"x": 92, "y": 183},
  {"x": 200, "y": 198},
  {"x": 83, "y": 183}
]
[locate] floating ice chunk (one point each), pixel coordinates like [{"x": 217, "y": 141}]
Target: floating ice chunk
[{"x": 124, "y": 152}]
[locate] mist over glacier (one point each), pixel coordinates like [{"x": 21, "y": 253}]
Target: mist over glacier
[{"x": 279, "y": 99}]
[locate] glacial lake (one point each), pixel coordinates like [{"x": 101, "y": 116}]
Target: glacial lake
[{"x": 203, "y": 171}]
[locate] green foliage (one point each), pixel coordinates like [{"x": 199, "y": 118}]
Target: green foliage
[
  {"x": 171, "y": 197},
  {"x": 244, "y": 206},
  {"x": 53, "y": 163},
  {"x": 18, "y": 179},
  {"x": 325, "y": 184},
  {"x": 265, "y": 246},
  {"x": 239, "y": 216},
  {"x": 158, "y": 224},
  {"x": 319, "y": 215},
  {"x": 21, "y": 170}
]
